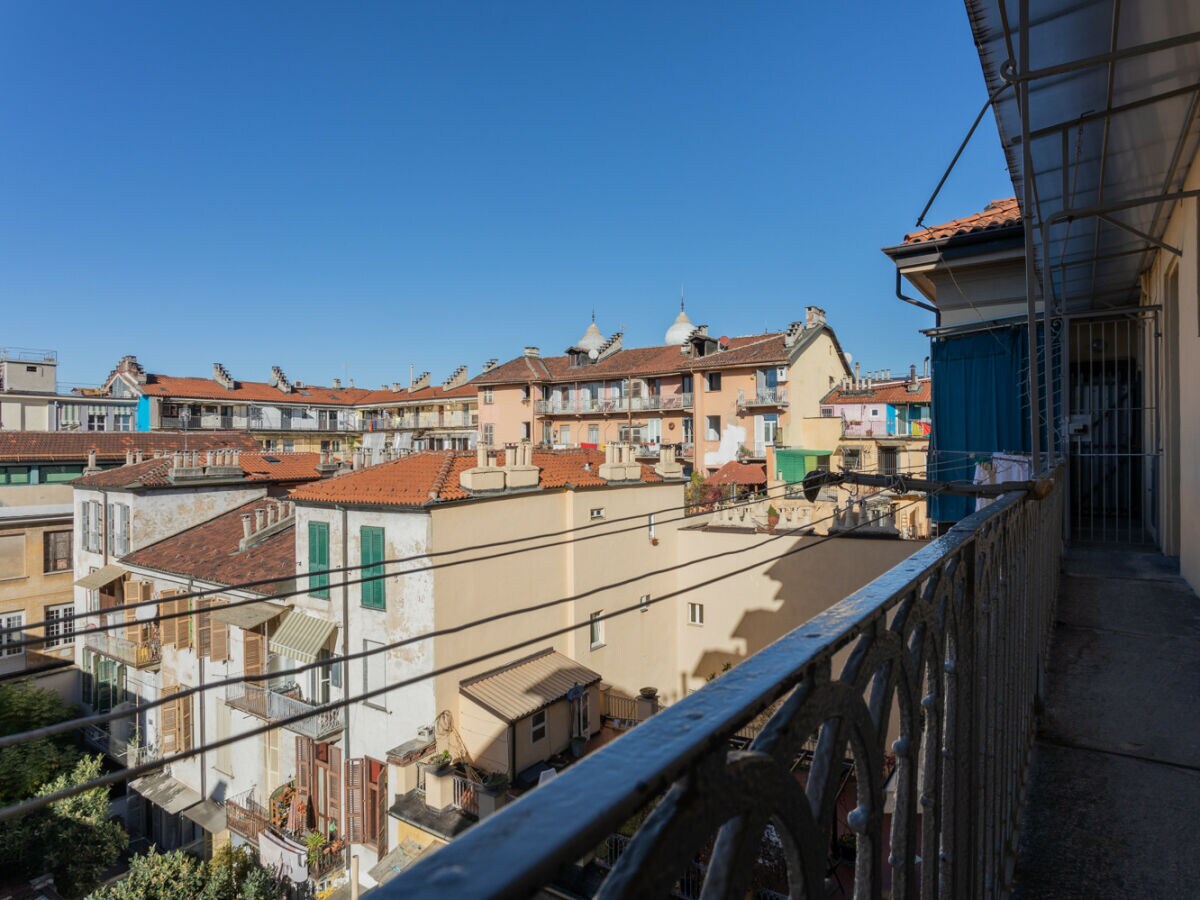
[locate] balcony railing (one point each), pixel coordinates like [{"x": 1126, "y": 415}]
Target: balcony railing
[
  {"x": 212, "y": 422},
  {"x": 273, "y": 705},
  {"x": 585, "y": 405},
  {"x": 139, "y": 654},
  {"x": 466, "y": 794},
  {"x": 128, "y": 753},
  {"x": 916, "y": 428},
  {"x": 763, "y": 397},
  {"x": 934, "y": 705}
]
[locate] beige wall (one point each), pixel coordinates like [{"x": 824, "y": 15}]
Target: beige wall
[
  {"x": 506, "y": 412},
  {"x": 33, "y": 590},
  {"x": 1180, "y": 381},
  {"x": 25, "y": 413},
  {"x": 486, "y": 736}
]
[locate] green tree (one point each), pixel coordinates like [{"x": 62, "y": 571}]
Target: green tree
[
  {"x": 27, "y": 766},
  {"x": 73, "y": 839},
  {"x": 157, "y": 876},
  {"x": 234, "y": 874}
]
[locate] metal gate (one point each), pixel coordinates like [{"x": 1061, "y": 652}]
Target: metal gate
[{"x": 1113, "y": 428}]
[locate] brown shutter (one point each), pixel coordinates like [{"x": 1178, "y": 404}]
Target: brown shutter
[
  {"x": 304, "y": 760},
  {"x": 381, "y": 810},
  {"x": 333, "y": 806},
  {"x": 203, "y": 627},
  {"x": 354, "y": 800},
  {"x": 135, "y": 592},
  {"x": 183, "y": 632},
  {"x": 184, "y": 705},
  {"x": 219, "y": 638},
  {"x": 252, "y": 647},
  {"x": 168, "y": 715},
  {"x": 168, "y": 628}
]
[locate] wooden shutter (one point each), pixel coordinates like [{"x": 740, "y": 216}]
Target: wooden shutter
[
  {"x": 354, "y": 800},
  {"x": 381, "y": 810},
  {"x": 219, "y": 639},
  {"x": 333, "y": 780},
  {"x": 184, "y": 704},
  {"x": 168, "y": 715},
  {"x": 136, "y": 592},
  {"x": 203, "y": 627},
  {"x": 183, "y": 631},
  {"x": 304, "y": 761},
  {"x": 168, "y": 628},
  {"x": 252, "y": 648}
]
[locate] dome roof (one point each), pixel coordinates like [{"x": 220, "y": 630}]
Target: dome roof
[
  {"x": 592, "y": 339},
  {"x": 678, "y": 333}
]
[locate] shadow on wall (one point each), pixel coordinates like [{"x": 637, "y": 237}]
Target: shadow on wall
[{"x": 809, "y": 582}]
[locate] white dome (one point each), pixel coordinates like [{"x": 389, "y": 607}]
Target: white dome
[
  {"x": 678, "y": 333},
  {"x": 592, "y": 339}
]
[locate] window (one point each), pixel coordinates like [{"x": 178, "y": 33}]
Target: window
[
  {"x": 375, "y": 818},
  {"x": 118, "y": 529},
  {"x": 688, "y": 430},
  {"x": 827, "y": 412},
  {"x": 60, "y": 624},
  {"x": 874, "y": 414},
  {"x": 12, "y": 556},
  {"x": 712, "y": 430},
  {"x": 56, "y": 551},
  {"x": 537, "y": 726},
  {"x": 596, "y": 630},
  {"x": 851, "y": 458},
  {"x": 488, "y": 397},
  {"x": 60, "y": 474},
  {"x": 371, "y": 539},
  {"x": 712, "y": 381},
  {"x": 289, "y": 445},
  {"x": 685, "y": 384},
  {"x": 14, "y": 475},
  {"x": 318, "y": 559},
  {"x": 374, "y": 673},
  {"x": 888, "y": 461},
  {"x": 644, "y": 603},
  {"x": 489, "y": 434},
  {"x": 695, "y": 613},
  {"x": 594, "y": 434},
  {"x": 525, "y": 432},
  {"x": 95, "y": 422},
  {"x": 596, "y": 513},
  {"x": 524, "y": 394},
  {"x": 564, "y": 435},
  {"x": 10, "y": 641}
]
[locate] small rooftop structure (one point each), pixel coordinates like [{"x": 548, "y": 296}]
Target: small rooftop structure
[{"x": 521, "y": 688}]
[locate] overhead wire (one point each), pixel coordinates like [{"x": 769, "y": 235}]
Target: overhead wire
[{"x": 32, "y": 804}]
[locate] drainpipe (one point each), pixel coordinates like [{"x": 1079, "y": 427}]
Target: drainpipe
[
  {"x": 914, "y": 301},
  {"x": 203, "y": 742}
]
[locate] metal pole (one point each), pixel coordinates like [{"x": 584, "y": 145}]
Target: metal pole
[
  {"x": 1048, "y": 344},
  {"x": 1027, "y": 221}
]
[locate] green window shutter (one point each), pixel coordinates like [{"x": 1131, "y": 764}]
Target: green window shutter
[
  {"x": 372, "y": 562},
  {"x": 318, "y": 559}
]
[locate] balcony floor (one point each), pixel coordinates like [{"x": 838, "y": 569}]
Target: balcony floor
[{"x": 1115, "y": 782}]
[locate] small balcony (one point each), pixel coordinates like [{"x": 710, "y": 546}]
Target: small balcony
[
  {"x": 246, "y": 816},
  {"x": 128, "y": 753},
  {"x": 873, "y": 428},
  {"x": 145, "y": 654},
  {"x": 763, "y": 398},
  {"x": 273, "y": 704}
]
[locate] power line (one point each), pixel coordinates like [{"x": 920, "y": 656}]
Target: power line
[
  {"x": 34, "y": 803},
  {"x": 101, "y": 718}
]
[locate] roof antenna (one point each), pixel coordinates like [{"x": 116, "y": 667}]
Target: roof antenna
[{"x": 681, "y": 296}]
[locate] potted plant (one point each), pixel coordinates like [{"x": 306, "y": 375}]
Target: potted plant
[
  {"x": 316, "y": 844},
  {"x": 440, "y": 762},
  {"x": 772, "y": 518}
]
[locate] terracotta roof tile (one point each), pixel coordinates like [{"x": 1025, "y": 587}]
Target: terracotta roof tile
[
  {"x": 895, "y": 393},
  {"x": 997, "y": 214},
  {"x": 110, "y": 446},
  {"x": 431, "y": 394},
  {"x": 248, "y": 391},
  {"x": 209, "y": 552},
  {"x": 734, "y": 472},
  {"x": 426, "y": 478},
  {"x": 267, "y": 467}
]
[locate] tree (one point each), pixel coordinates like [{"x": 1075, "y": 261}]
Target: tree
[
  {"x": 157, "y": 876},
  {"x": 73, "y": 839},
  {"x": 234, "y": 874},
  {"x": 27, "y": 766}
]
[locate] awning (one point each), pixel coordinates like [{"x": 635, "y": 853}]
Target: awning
[
  {"x": 249, "y": 616},
  {"x": 102, "y": 577},
  {"x": 208, "y": 815},
  {"x": 523, "y": 687},
  {"x": 302, "y": 636},
  {"x": 165, "y": 792}
]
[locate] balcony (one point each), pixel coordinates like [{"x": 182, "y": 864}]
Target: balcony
[
  {"x": 871, "y": 734},
  {"x": 916, "y": 428},
  {"x": 272, "y": 705},
  {"x": 139, "y": 654},
  {"x": 128, "y": 753},
  {"x": 763, "y": 398},
  {"x": 586, "y": 405}
]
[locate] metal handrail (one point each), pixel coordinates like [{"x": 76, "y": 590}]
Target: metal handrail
[
  {"x": 949, "y": 644},
  {"x": 271, "y": 706}
]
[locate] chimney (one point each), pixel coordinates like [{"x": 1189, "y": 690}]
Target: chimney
[
  {"x": 337, "y": 383},
  {"x": 421, "y": 382},
  {"x": 490, "y": 364},
  {"x": 260, "y": 516},
  {"x": 619, "y": 464},
  {"x": 457, "y": 377},
  {"x": 395, "y": 387},
  {"x": 794, "y": 330},
  {"x": 668, "y": 466},
  {"x": 247, "y": 525},
  {"x": 484, "y": 476},
  {"x": 533, "y": 352},
  {"x": 137, "y": 456},
  {"x": 925, "y": 368},
  {"x": 129, "y": 457},
  {"x": 814, "y": 316},
  {"x": 351, "y": 382},
  {"x": 521, "y": 472},
  {"x": 857, "y": 371},
  {"x": 91, "y": 464},
  {"x": 222, "y": 377},
  {"x": 279, "y": 380}
]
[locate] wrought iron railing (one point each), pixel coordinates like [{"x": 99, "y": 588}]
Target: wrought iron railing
[
  {"x": 935, "y": 704},
  {"x": 273, "y": 705},
  {"x": 763, "y": 397}
]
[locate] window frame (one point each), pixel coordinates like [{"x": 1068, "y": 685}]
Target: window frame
[
  {"x": 13, "y": 619},
  {"x": 59, "y": 630},
  {"x": 373, "y": 594},
  {"x": 595, "y": 630},
  {"x": 712, "y": 382},
  {"x": 696, "y": 614},
  {"x": 535, "y": 726},
  {"x": 374, "y": 659},
  {"x": 318, "y": 536}
]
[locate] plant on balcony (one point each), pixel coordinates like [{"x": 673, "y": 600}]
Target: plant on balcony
[
  {"x": 316, "y": 844},
  {"x": 439, "y": 762}
]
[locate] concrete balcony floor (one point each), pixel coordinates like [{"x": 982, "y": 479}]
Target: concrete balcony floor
[{"x": 1115, "y": 783}]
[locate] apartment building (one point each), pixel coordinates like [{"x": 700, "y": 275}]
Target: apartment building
[
  {"x": 30, "y": 399},
  {"x": 288, "y": 415},
  {"x": 885, "y": 421},
  {"x": 712, "y": 398}
]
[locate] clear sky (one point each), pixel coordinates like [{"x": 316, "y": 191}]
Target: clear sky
[{"x": 346, "y": 189}]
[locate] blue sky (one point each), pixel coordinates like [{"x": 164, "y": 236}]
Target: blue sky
[{"x": 348, "y": 189}]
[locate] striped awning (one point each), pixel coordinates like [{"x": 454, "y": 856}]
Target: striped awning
[
  {"x": 301, "y": 637},
  {"x": 98, "y": 579}
]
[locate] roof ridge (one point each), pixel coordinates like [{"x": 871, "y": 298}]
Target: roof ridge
[{"x": 439, "y": 480}]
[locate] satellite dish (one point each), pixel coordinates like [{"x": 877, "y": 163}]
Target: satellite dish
[
  {"x": 813, "y": 482},
  {"x": 723, "y": 342},
  {"x": 593, "y": 353}
]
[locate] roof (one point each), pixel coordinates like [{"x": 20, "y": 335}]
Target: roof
[
  {"x": 247, "y": 391},
  {"x": 432, "y": 393},
  {"x": 110, "y": 446},
  {"x": 166, "y": 792},
  {"x": 210, "y": 552},
  {"x": 264, "y": 466},
  {"x": 996, "y": 215},
  {"x": 521, "y": 688},
  {"x": 734, "y": 472},
  {"x": 249, "y": 616},
  {"x": 431, "y": 477},
  {"x": 895, "y": 393},
  {"x": 747, "y": 350}
]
